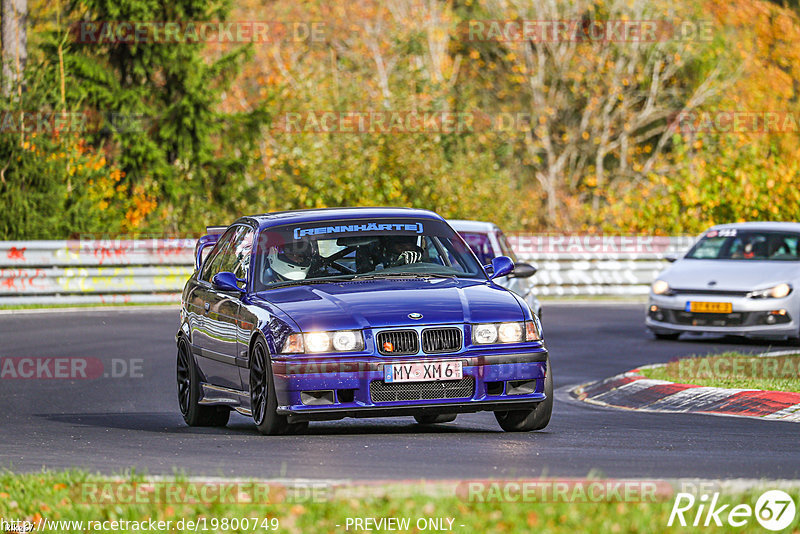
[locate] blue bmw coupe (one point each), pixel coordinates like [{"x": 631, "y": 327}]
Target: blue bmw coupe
[{"x": 323, "y": 314}]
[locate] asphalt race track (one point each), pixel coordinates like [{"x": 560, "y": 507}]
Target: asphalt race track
[{"x": 110, "y": 424}]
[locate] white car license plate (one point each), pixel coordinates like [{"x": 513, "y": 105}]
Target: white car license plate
[{"x": 422, "y": 371}]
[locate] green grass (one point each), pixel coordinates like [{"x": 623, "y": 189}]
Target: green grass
[
  {"x": 62, "y": 496},
  {"x": 733, "y": 370}
]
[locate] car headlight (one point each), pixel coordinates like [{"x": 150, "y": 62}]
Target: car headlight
[
  {"x": 347, "y": 340},
  {"x": 516, "y": 332},
  {"x": 317, "y": 341},
  {"x": 660, "y": 287},
  {"x": 509, "y": 332},
  {"x": 484, "y": 333},
  {"x": 338, "y": 341},
  {"x": 775, "y": 292}
]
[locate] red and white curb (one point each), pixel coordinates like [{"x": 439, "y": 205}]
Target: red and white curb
[{"x": 633, "y": 391}]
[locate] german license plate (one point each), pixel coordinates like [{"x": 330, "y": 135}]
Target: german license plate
[
  {"x": 709, "y": 307},
  {"x": 422, "y": 371}
]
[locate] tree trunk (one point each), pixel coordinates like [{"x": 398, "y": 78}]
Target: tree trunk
[{"x": 14, "y": 36}]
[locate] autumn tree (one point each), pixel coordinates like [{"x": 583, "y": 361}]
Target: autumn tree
[{"x": 599, "y": 103}]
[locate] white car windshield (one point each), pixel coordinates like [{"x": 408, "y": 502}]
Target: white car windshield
[{"x": 735, "y": 244}]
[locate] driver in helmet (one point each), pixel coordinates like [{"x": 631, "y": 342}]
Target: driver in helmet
[
  {"x": 290, "y": 261},
  {"x": 401, "y": 250}
]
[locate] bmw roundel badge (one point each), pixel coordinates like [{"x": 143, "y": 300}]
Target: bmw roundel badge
[{"x": 415, "y": 315}]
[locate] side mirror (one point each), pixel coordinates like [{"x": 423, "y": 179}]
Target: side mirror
[
  {"x": 501, "y": 266},
  {"x": 226, "y": 281},
  {"x": 524, "y": 270},
  {"x": 671, "y": 257}
]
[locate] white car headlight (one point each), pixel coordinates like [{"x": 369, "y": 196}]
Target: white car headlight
[
  {"x": 775, "y": 292},
  {"x": 338, "y": 341},
  {"x": 516, "y": 332},
  {"x": 660, "y": 287},
  {"x": 509, "y": 332},
  {"x": 318, "y": 341},
  {"x": 484, "y": 333},
  {"x": 347, "y": 340}
]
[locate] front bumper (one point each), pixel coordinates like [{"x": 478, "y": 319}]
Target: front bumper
[
  {"x": 758, "y": 318},
  {"x": 354, "y": 387}
]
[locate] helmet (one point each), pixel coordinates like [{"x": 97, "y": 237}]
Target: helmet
[
  {"x": 401, "y": 250},
  {"x": 290, "y": 261}
]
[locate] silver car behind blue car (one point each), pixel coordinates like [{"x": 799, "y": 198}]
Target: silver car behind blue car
[
  {"x": 488, "y": 241},
  {"x": 738, "y": 279}
]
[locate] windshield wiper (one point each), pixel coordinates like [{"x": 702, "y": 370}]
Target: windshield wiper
[
  {"x": 311, "y": 281},
  {"x": 372, "y": 276}
]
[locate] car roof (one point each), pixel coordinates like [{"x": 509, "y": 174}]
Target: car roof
[
  {"x": 266, "y": 220},
  {"x": 760, "y": 225},
  {"x": 462, "y": 225}
]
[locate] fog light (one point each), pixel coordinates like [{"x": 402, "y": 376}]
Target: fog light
[
  {"x": 777, "y": 317},
  {"x": 653, "y": 308}
]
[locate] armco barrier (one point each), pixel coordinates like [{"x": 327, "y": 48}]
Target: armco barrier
[
  {"x": 155, "y": 270},
  {"x": 94, "y": 271},
  {"x": 584, "y": 265}
]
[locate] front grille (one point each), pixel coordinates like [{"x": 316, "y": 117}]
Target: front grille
[
  {"x": 719, "y": 319},
  {"x": 435, "y": 340},
  {"x": 407, "y": 391},
  {"x": 397, "y": 342},
  {"x": 709, "y": 319},
  {"x": 714, "y": 292}
]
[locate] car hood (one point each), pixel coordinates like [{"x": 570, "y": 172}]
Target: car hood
[
  {"x": 383, "y": 303},
  {"x": 729, "y": 275}
]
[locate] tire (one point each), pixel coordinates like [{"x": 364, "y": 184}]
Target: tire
[
  {"x": 195, "y": 414},
  {"x": 535, "y": 419},
  {"x": 667, "y": 336},
  {"x": 263, "y": 399},
  {"x": 435, "y": 419}
]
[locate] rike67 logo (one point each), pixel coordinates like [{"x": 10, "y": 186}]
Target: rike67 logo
[{"x": 774, "y": 510}]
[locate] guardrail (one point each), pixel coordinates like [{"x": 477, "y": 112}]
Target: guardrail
[
  {"x": 103, "y": 272},
  {"x": 596, "y": 265},
  {"x": 155, "y": 270}
]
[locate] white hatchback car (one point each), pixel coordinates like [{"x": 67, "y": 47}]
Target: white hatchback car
[
  {"x": 487, "y": 241},
  {"x": 737, "y": 279}
]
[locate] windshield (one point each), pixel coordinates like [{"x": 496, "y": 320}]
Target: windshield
[
  {"x": 347, "y": 249},
  {"x": 734, "y": 244}
]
